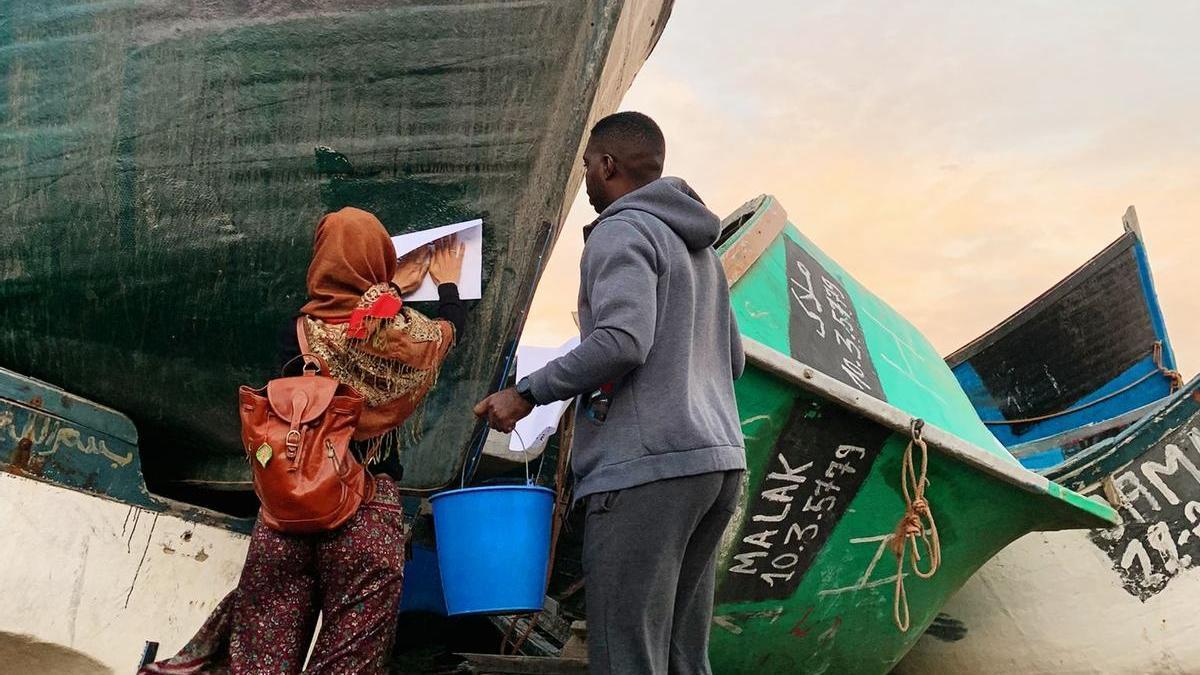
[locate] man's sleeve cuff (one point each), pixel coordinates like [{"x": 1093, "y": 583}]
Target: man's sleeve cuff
[{"x": 540, "y": 387}]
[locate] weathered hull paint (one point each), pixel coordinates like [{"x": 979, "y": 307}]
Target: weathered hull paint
[
  {"x": 163, "y": 166},
  {"x": 1065, "y": 371},
  {"x": 93, "y": 562},
  {"x": 100, "y": 577},
  {"x": 1135, "y": 586},
  {"x": 52, "y": 435},
  {"x": 805, "y": 576}
]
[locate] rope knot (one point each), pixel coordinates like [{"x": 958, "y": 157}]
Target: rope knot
[
  {"x": 917, "y": 513},
  {"x": 909, "y": 526}
]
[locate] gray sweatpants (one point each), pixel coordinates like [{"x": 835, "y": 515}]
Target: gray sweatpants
[{"x": 649, "y": 561}]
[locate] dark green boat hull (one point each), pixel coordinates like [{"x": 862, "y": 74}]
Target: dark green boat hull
[{"x": 163, "y": 166}]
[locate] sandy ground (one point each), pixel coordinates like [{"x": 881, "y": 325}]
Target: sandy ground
[{"x": 23, "y": 654}]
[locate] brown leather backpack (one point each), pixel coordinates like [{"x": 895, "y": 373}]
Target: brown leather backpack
[{"x": 296, "y": 432}]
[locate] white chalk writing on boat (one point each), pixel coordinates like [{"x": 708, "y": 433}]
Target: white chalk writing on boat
[
  {"x": 823, "y": 327},
  {"x": 785, "y": 480},
  {"x": 852, "y": 365},
  {"x": 906, "y": 354},
  {"x": 753, "y": 420},
  {"x": 881, "y": 542},
  {"x": 808, "y": 299},
  {"x": 52, "y": 434},
  {"x": 1160, "y": 499},
  {"x": 779, "y": 486},
  {"x": 865, "y": 581},
  {"x": 821, "y": 458}
]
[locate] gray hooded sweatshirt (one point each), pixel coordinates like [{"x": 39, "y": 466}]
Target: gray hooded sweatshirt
[{"x": 657, "y": 332}]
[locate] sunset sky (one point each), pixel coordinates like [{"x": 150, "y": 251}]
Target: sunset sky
[{"x": 957, "y": 158}]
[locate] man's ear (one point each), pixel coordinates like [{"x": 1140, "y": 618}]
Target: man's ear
[{"x": 608, "y": 167}]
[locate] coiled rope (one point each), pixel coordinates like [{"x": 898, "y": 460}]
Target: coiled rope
[
  {"x": 1171, "y": 374},
  {"x": 917, "y": 522}
]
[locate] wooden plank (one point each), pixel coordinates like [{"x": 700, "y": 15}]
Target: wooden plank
[
  {"x": 525, "y": 665},
  {"x": 1083, "y": 471},
  {"x": 1130, "y": 221},
  {"x": 55, "y": 401},
  {"x": 1083, "y": 433},
  {"x": 1085, "y": 272},
  {"x": 749, "y": 247}
]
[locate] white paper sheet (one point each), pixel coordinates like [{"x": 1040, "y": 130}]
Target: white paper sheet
[
  {"x": 541, "y": 424},
  {"x": 471, "y": 234}
]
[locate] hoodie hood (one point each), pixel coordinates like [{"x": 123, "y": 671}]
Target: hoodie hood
[{"x": 672, "y": 201}]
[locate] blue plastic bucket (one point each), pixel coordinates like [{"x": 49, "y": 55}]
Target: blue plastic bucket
[
  {"x": 422, "y": 583},
  {"x": 493, "y": 547}
]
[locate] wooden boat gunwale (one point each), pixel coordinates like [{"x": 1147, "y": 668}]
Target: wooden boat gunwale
[
  {"x": 1018, "y": 318},
  {"x": 1083, "y": 432},
  {"x": 48, "y": 398},
  {"x": 47, "y": 415},
  {"x": 766, "y": 220}
]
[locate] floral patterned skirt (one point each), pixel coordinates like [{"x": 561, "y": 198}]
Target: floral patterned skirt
[{"x": 352, "y": 576}]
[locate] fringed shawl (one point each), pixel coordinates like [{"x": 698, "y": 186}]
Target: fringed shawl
[{"x": 356, "y": 321}]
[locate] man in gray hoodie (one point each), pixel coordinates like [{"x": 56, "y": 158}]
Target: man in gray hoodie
[{"x": 658, "y": 449}]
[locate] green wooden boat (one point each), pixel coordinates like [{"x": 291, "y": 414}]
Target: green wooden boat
[
  {"x": 163, "y": 165},
  {"x": 806, "y": 580}
]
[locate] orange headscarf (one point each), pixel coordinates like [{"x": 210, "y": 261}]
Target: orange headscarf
[
  {"x": 357, "y": 323},
  {"x": 351, "y": 253}
]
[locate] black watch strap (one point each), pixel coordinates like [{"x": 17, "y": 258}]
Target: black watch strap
[{"x": 526, "y": 391}]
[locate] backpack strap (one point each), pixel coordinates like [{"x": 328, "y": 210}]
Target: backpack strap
[
  {"x": 305, "y": 354},
  {"x": 368, "y": 494}
]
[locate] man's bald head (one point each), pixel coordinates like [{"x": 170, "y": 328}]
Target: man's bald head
[{"x": 626, "y": 150}]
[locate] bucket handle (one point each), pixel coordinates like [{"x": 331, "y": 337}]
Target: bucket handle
[{"x": 524, "y": 455}]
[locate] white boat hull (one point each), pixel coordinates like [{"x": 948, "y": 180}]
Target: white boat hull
[
  {"x": 1052, "y": 603},
  {"x": 87, "y": 581}
]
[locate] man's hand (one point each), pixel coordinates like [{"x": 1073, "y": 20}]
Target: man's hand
[{"x": 503, "y": 409}]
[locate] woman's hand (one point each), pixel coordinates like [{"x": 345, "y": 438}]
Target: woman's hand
[
  {"x": 446, "y": 266},
  {"x": 411, "y": 270}
]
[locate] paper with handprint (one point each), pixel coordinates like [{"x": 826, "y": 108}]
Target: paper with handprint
[{"x": 470, "y": 233}]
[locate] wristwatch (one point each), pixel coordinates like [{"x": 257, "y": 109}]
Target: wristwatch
[{"x": 525, "y": 389}]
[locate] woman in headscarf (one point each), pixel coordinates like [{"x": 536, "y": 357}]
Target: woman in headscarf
[{"x": 355, "y": 319}]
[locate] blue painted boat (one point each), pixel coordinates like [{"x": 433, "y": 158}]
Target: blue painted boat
[
  {"x": 1079, "y": 363},
  {"x": 1079, "y": 385}
]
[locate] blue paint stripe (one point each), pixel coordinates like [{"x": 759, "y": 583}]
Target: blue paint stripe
[
  {"x": 1147, "y": 392},
  {"x": 1156, "y": 315}
]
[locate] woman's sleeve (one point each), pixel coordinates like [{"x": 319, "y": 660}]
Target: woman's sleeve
[{"x": 451, "y": 308}]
